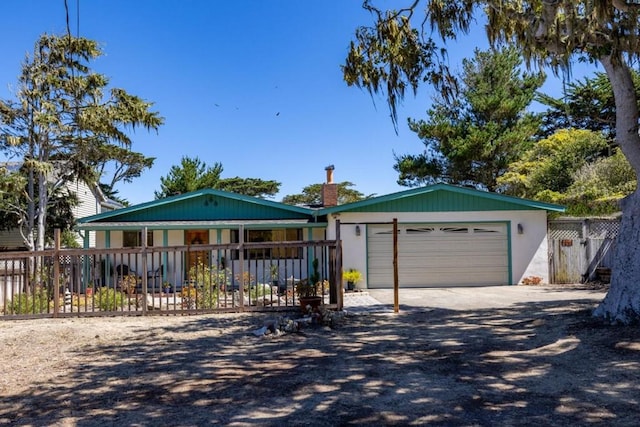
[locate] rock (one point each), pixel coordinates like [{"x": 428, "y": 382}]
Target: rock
[{"x": 260, "y": 332}]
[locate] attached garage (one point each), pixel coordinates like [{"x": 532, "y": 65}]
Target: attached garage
[
  {"x": 447, "y": 254},
  {"x": 447, "y": 236}
]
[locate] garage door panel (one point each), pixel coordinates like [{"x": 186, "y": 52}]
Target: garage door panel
[{"x": 439, "y": 255}]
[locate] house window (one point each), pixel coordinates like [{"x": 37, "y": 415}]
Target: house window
[
  {"x": 263, "y": 236},
  {"x": 133, "y": 239}
]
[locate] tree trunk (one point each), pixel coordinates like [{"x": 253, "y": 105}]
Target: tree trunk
[
  {"x": 622, "y": 303},
  {"x": 41, "y": 214},
  {"x": 28, "y": 227}
]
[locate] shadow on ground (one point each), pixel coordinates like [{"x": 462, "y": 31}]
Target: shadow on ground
[{"x": 541, "y": 363}]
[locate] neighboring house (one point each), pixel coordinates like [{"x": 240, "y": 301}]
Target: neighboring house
[
  {"x": 447, "y": 235},
  {"x": 91, "y": 201}
]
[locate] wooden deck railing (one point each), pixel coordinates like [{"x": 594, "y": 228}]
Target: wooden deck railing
[{"x": 166, "y": 280}]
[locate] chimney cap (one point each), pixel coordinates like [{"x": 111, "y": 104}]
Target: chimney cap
[{"x": 329, "y": 168}]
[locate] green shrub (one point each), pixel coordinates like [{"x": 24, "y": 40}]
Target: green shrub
[
  {"x": 36, "y": 303},
  {"x": 259, "y": 290},
  {"x": 108, "y": 299},
  {"x": 207, "y": 279}
]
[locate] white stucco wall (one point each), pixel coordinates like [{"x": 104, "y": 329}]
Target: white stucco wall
[{"x": 529, "y": 256}]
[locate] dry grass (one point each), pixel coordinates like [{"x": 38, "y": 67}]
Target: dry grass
[{"x": 535, "y": 363}]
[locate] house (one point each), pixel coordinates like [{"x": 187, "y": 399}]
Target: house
[
  {"x": 447, "y": 235},
  {"x": 91, "y": 201}
]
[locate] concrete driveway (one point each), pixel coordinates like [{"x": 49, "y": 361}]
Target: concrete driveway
[{"x": 468, "y": 298}]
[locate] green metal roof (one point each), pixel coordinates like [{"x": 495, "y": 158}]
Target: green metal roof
[
  {"x": 203, "y": 205},
  {"x": 441, "y": 198}
]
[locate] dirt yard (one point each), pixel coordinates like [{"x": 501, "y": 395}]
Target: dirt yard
[{"x": 544, "y": 363}]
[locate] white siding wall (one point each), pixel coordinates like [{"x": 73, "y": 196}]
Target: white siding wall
[
  {"x": 528, "y": 250},
  {"x": 11, "y": 239},
  {"x": 88, "y": 205}
]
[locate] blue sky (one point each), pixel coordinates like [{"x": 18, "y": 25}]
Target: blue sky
[{"x": 253, "y": 84}]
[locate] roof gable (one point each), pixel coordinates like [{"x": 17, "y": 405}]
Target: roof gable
[
  {"x": 203, "y": 205},
  {"x": 441, "y": 198}
]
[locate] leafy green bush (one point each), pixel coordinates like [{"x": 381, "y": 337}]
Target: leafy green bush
[
  {"x": 208, "y": 279},
  {"x": 259, "y": 290},
  {"x": 108, "y": 299},
  {"x": 36, "y": 303},
  {"x": 599, "y": 186}
]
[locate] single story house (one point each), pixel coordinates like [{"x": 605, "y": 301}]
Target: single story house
[{"x": 447, "y": 235}]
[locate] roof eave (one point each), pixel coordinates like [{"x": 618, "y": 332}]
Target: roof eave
[
  {"x": 436, "y": 187},
  {"x": 197, "y": 193}
]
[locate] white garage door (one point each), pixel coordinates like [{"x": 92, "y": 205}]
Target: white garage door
[{"x": 439, "y": 255}]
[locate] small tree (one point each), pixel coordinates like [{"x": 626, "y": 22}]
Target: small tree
[{"x": 63, "y": 126}]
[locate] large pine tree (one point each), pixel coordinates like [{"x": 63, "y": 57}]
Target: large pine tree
[{"x": 472, "y": 138}]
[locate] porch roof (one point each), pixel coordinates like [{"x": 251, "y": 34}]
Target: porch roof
[
  {"x": 205, "y": 206},
  {"x": 196, "y": 225}
]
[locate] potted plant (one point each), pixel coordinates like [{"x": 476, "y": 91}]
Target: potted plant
[
  {"x": 309, "y": 294},
  {"x": 351, "y": 276},
  {"x": 89, "y": 290},
  {"x": 167, "y": 287}
]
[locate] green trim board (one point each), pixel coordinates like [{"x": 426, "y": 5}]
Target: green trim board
[
  {"x": 197, "y": 225},
  {"x": 441, "y": 198}
]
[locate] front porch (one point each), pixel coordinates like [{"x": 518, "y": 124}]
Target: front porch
[{"x": 168, "y": 280}]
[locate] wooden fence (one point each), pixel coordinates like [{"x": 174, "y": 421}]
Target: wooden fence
[
  {"x": 167, "y": 280},
  {"x": 581, "y": 249}
]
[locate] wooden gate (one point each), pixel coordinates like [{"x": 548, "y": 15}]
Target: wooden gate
[{"x": 579, "y": 247}]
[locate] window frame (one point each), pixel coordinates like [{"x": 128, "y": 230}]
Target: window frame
[
  {"x": 131, "y": 240},
  {"x": 269, "y": 235}
]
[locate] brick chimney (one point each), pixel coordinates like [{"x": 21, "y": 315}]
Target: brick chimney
[{"x": 329, "y": 189}]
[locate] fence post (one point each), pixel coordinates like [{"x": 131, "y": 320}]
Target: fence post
[
  {"x": 144, "y": 270},
  {"x": 241, "y": 261},
  {"x": 339, "y": 288},
  {"x": 396, "y": 285},
  {"x": 587, "y": 250},
  {"x": 56, "y": 272}
]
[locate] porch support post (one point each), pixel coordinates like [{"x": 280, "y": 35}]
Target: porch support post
[
  {"x": 310, "y": 253},
  {"x": 86, "y": 265},
  {"x": 241, "y": 260},
  {"x": 337, "y": 291},
  {"x": 143, "y": 273},
  {"x": 107, "y": 260},
  {"x": 165, "y": 243}
]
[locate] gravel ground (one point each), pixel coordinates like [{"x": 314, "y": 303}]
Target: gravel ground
[{"x": 535, "y": 362}]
